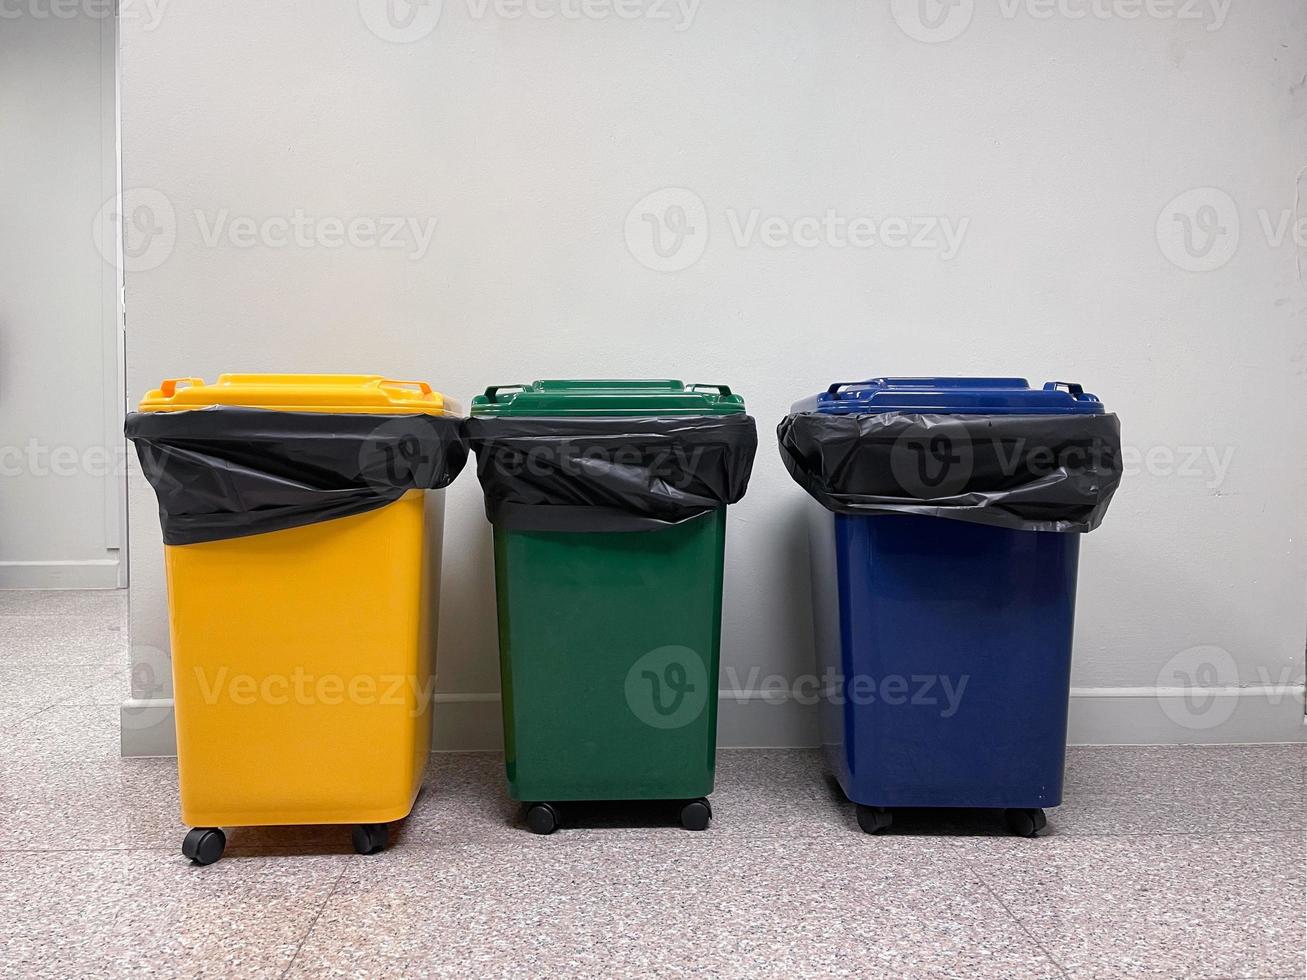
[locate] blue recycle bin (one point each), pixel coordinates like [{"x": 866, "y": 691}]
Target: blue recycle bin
[{"x": 945, "y": 645}]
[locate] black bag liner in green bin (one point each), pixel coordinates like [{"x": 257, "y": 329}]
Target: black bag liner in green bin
[
  {"x": 600, "y": 474},
  {"x": 229, "y": 472}
]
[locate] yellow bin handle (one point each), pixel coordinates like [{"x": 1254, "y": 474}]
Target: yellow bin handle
[
  {"x": 422, "y": 386},
  {"x": 168, "y": 387}
]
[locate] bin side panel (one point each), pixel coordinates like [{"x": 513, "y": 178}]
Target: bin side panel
[
  {"x": 302, "y": 671},
  {"x": 828, "y": 630},
  {"x": 955, "y": 643},
  {"x": 609, "y": 650}
]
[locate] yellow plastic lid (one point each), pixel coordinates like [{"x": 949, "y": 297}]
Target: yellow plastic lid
[{"x": 356, "y": 394}]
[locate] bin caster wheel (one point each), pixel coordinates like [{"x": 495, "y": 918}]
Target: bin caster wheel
[
  {"x": 370, "y": 838},
  {"x": 204, "y": 845},
  {"x": 874, "y": 819},
  {"x": 1025, "y": 823},
  {"x": 541, "y": 818},
  {"x": 696, "y": 814}
]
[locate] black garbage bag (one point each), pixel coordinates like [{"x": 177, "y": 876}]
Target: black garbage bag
[
  {"x": 610, "y": 474},
  {"x": 227, "y": 472},
  {"x": 1027, "y": 472}
]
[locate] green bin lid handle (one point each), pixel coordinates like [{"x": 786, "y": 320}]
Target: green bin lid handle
[
  {"x": 495, "y": 389},
  {"x": 722, "y": 390}
]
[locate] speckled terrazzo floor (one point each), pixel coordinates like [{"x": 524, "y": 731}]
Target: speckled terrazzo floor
[{"x": 1165, "y": 862}]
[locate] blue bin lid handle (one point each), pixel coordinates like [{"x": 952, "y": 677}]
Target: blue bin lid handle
[
  {"x": 932, "y": 382},
  {"x": 1073, "y": 389},
  {"x": 834, "y": 390}
]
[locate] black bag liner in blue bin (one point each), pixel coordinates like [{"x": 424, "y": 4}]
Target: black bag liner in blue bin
[{"x": 1026, "y": 472}]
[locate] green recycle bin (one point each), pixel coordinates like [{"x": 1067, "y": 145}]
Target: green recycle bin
[{"x": 608, "y": 500}]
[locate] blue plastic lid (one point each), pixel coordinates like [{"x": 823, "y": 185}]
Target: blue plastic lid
[{"x": 953, "y": 396}]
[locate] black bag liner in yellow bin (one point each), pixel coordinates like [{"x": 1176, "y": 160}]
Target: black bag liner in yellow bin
[{"x": 228, "y": 472}]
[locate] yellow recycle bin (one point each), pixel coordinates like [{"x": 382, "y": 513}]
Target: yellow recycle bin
[{"x": 303, "y": 655}]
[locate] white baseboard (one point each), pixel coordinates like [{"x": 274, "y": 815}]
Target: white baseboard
[
  {"x": 147, "y": 727},
  {"x": 1164, "y": 716},
  {"x": 750, "y": 719},
  {"x": 93, "y": 573},
  {"x": 466, "y": 723}
]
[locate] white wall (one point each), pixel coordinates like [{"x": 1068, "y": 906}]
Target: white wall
[
  {"x": 60, "y": 390},
  {"x": 1060, "y": 141}
]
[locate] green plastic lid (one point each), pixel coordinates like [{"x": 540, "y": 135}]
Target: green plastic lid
[{"x": 607, "y": 398}]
